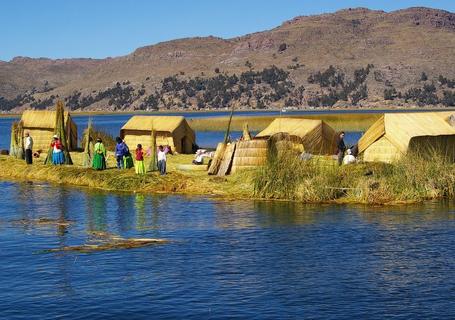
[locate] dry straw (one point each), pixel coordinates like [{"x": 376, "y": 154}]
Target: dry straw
[
  {"x": 17, "y": 140},
  {"x": 60, "y": 132}
]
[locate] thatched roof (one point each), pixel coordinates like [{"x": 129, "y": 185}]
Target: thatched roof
[
  {"x": 292, "y": 126},
  {"x": 400, "y": 128},
  {"x": 158, "y": 123},
  {"x": 317, "y": 137},
  {"x": 42, "y": 119}
]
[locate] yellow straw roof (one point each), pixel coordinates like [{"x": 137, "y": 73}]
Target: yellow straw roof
[
  {"x": 43, "y": 119},
  {"x": 293, "y": 126},
  {"x": 158, "y": 123},
  {"x": 400, "y": 128}
]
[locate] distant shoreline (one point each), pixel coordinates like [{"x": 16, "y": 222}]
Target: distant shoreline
[{"x": 287, "y": 111}]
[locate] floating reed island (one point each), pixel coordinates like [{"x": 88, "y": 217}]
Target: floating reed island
[{"x": 291, "y": 159}]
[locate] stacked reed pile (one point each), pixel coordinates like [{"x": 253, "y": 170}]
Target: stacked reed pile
[
  {"x": 17, "y": 140},
  {"x": 249, "y": 154},
  {"x": 60, "y": 132},
  {"x": 88, "y": 144}
]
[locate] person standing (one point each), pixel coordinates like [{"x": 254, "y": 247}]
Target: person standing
[
  {"x": 99, "y": 158},
  {"x": 121, "y": 151},
  {"x": 341, "y": 148},
  {"x": 161, "y": 160},
  {"x": 28, "y": 148},
  {"x": 58, "y": 158},
  {"x": 140, "y": 166}
]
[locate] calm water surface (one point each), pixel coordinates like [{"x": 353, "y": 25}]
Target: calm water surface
[{"x": 227, "y": 259}]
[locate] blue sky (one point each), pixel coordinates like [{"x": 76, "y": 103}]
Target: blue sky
[{"x": 101, "y": 28}]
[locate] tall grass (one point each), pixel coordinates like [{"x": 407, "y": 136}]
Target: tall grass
[
  {"x": 108, "y": 140},
  {"x": 413, "y": 178}
]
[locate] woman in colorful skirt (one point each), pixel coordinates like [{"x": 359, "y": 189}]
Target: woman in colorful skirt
[
  {"x": 140, "y": 166},
  {"x": 58, "y": 158},
  {"x": 99, "y": 158}
]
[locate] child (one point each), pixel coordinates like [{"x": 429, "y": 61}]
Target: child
[
  {"x": 140, "y": 167},
  {"x": 161, "y": 160}
]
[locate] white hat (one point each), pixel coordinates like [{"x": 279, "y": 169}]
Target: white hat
[{"x": 55, "y": 136}]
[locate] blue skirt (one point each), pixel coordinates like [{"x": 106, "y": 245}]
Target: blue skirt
[{"x": 58, "y": 158}]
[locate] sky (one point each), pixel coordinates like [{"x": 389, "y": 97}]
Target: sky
[{"x": 108, "y": 28}]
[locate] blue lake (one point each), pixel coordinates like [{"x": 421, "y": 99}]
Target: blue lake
[{"x": 226, "y": 259}]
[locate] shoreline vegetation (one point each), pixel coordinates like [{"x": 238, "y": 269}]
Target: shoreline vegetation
[
  {"x": 409, "y": 180},
  {"x": 318, "y": 111}
]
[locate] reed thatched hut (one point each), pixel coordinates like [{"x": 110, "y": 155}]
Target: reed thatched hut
[
  {"x": 173, "y": 131},
  {"x": 316, "y": 136},
  {"x": 394, "y": 134},
  {"x": 41, "y": 125}
]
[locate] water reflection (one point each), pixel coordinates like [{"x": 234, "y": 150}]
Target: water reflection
[
  {"x": 406, "y": 214},
  {"x": 242, "y": 258},
  {"x": 124, "y": 210},
  {"x": 96, "y": 208}
]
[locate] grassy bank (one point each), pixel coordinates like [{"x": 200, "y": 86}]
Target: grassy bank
[
  {"x": 176, "y": 181},
  {"x": 411, "y": 179},
  {"x": 319, "y": 180}
]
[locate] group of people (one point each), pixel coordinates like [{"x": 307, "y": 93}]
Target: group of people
[
  {"x": 122, "y": 154},
  {"x": 124, "y": 157},
  {"x": 351, "y": 153}
]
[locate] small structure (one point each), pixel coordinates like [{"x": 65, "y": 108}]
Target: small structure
[
  {"x": 316, "y": 136},
  {"x": 173, "y": 131},
  {"x": 41, "y": 125},
  {"x": 249, "y": 154},
  {"x": 394, "y": 134}
]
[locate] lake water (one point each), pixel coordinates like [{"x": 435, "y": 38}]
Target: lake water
[
  {"x": 113, "y": 122},
  {"x": 226, "y": 259}
]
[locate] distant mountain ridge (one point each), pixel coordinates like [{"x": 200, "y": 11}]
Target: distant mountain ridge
[{"x": 400, "y": 53}]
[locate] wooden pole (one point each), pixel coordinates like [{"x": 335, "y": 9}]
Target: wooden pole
[{"x": 153, "y": 166}]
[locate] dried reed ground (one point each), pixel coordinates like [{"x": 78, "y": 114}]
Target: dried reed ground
[{"x": 320, "y": 180}]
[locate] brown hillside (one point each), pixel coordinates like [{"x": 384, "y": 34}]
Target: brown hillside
[{"x": 401, "y": 45}]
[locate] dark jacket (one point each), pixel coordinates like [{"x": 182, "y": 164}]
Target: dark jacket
[{"x": 341, "y": 147}]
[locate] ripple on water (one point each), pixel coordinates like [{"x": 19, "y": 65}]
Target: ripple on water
[{"x": 244, "y": 259}]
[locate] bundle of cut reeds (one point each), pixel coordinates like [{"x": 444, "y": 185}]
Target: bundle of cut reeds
[
  {"x": 17, "y": 140},
  {"x": 60, "y": 132},
  {"x": 153, "y": 166},
  {"x": 88, "y": 145}
]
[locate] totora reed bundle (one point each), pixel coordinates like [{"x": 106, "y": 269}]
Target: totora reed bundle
[
  {"x": 17, "y": 140},
  {"x": 88, "y": 145},
  {"x": 60, "y": 132},
  {"x": 153, "y": 166}
]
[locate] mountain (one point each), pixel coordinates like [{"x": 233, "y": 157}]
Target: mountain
[{"x": 350, "y": 57}]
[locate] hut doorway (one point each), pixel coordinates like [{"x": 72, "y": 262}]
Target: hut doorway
[{"x": 183, "y": 145}]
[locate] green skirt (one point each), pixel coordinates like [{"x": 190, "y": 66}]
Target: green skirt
[
  {"x": 128, "y": 161},
  {"x": 99, "y": 162},
  {"x": 140, "y": 167}
]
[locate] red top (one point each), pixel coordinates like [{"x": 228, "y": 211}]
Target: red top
[
  {"x": 57, "y": 144},
  {"x": 139, "y": 155}
]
